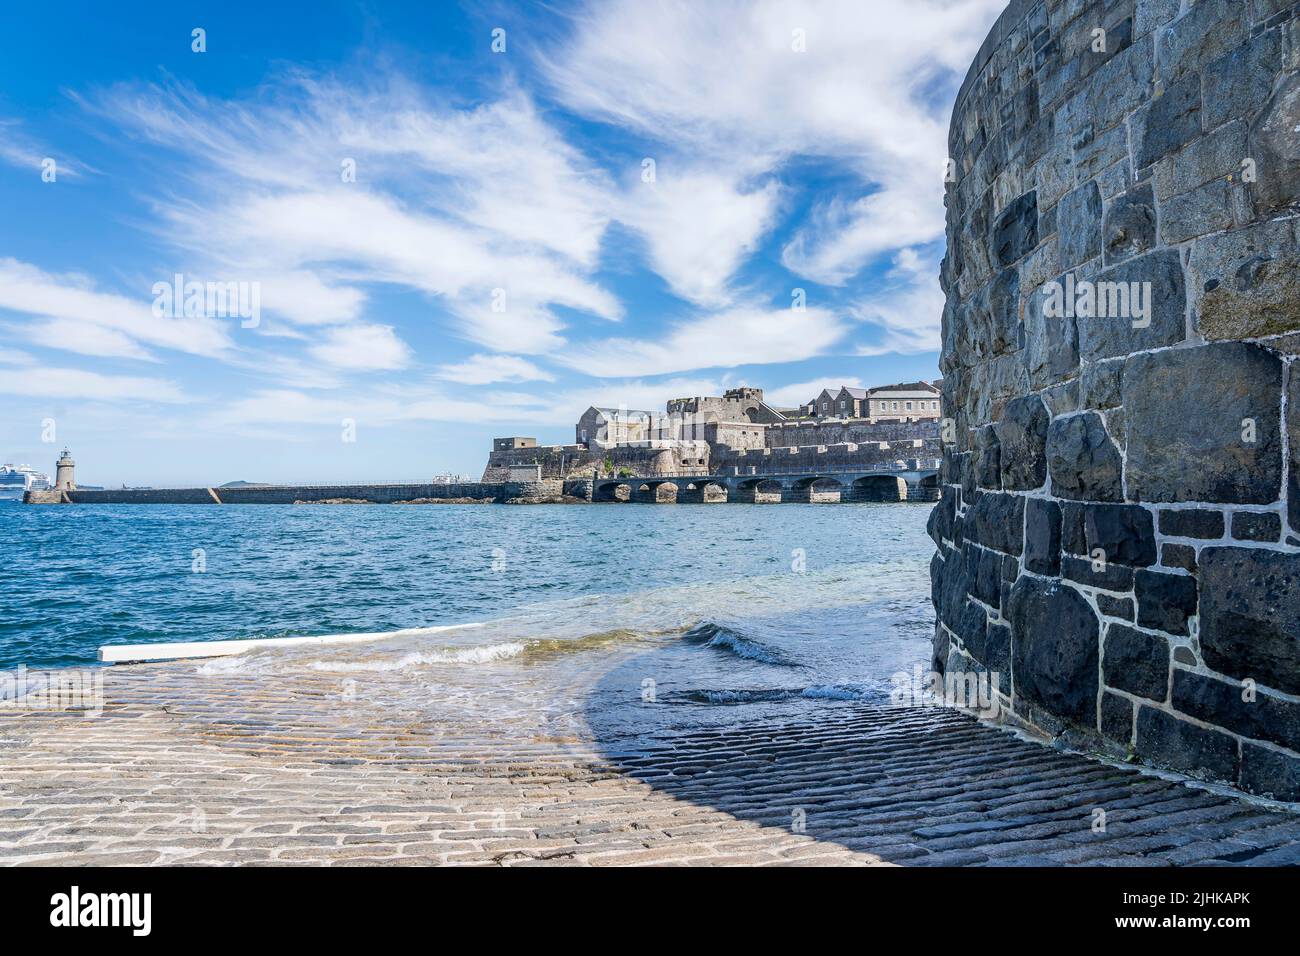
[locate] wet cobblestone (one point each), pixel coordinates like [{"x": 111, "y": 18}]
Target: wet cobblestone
[{"x": 188, "y": 768}]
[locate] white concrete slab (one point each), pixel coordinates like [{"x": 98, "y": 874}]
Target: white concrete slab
[{"x": 134, "y": 653}]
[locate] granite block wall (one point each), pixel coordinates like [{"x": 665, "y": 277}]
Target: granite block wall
[{"x": 1119, "y": 531}]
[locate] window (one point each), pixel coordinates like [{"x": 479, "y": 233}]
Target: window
[
  {"x": 584, "y": 434},
  {"x": 841, "y": 405},
  {"x": 909, "y": 406},
  {"x": 895, "y": 406},
  {"x": 825, "y": 405}
]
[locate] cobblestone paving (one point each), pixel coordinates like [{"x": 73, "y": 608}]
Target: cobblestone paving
[{"x": 189, "y": 769}]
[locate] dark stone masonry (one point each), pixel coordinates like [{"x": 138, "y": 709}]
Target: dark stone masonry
[{"x": 1119, "y": 533}]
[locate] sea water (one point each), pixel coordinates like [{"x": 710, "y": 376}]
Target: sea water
[{"x": 712, "y": 613}]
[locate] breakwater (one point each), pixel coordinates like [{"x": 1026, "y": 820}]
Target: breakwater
[
  {"x": 1119, "y": 532},
  {"x": 917, "y": 480},
  {"x": 500, "y": 492}
]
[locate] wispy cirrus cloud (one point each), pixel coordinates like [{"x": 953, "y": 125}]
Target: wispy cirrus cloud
[
  {"x": 739, "y": 336},
  {"x": 19, "y": 149},
  {"x": 906, "y": 313},
  {"x": 68, "y": 312},
  {"x": 423, "y": 403},
  {"x": 729, "y": 77},
  {"x": 70, "y": 384},
  {"x": 862, "y": 86},
  {"x": 490, "y": 369},
  {"x": 489, "y": 211}
]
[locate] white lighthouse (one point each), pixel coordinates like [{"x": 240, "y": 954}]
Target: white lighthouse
[{"x": 64, "y": 478}]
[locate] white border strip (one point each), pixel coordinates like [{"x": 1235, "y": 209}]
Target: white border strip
[{"x": 133, "y": 653}]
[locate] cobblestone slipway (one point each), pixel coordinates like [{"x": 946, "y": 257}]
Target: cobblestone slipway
[{"x": 193, "y": 766}]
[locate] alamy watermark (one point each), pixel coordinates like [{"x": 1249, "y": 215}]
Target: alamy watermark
[
  {"x": 968, "y": 690},
  {"x": 73, "y": 689},
  {"x": 74, "y": 908},
  {"x": 214, "y": 300},
  {"x": 1085, "y": 299}
]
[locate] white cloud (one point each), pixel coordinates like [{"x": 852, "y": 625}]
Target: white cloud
[
  {"x": 908, "y": 310},
  {"x": 376, "y": 238},
  {"x": 305, "y": 298},
  {"x": 288, "y": 371},
  {"x": 362, "y": 347},
  {"x": 16, "y": 357},
  {"x": 841, "y": 236},
  {"x": 379, "y": 408},
  {"x": 68, "y": 313},
  {"x": 83, "y": 338},
  {"x": 451, "y": 204},
  {"x": 740, "y": 336},
  {"x": 518, "y": 177},
  {"x": 72, "y": 384},
  {"x": 722, "y": 79},
  {"x": 20, "y": 150},
  {"x": 699, "y": 226},
  {"x": 487, "y": 369}
]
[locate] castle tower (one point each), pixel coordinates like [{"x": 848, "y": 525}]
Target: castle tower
[{"x": 64, "y": 477}]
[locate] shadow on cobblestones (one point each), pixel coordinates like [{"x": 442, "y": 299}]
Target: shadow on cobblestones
[{"x": 934, "y": 787}]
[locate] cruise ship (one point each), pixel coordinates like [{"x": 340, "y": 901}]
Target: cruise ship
[{"x": 16, "y": 479}]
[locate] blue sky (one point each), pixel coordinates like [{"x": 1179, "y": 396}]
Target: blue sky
[{"x": 501, "y": 259}]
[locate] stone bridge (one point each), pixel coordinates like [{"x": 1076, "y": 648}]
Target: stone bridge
[{"x": 915, "y": 484}]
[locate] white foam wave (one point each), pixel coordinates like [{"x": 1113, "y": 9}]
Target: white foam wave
[
  {"x": 483, "y": 654},
  {"x": 833, "y": 692}
]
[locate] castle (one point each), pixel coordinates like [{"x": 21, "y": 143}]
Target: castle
[{"x": 736, "y": 433}]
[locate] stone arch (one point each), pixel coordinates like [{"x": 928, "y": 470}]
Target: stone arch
[
  {"x": 928, "y": 488},
  {"x": 760, "y": 491},
  {"x": 817, "y": 488},
  {"x": 703, "y": 491},
  {"x": 656, "y": 491},
  {"x": 879, "y": 488},
  {"x": 612, "y": 491}
]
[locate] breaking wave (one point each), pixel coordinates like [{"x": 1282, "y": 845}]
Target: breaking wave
[{"x": 710, "y": 634}]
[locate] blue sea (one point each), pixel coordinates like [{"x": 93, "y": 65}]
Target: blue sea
[{"x": 771, "y": 608}]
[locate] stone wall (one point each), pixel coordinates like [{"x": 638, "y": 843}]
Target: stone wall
[
  {"x": 829, "y": 458},
  {"x": 859, "y": 432},
  {"x": 1119, "y": 529},
  {"x": 573, "y": 462},
  {"x": 557, "y": 461}
]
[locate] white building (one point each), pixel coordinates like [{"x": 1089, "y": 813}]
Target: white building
[{"x": 907, "y": 402}]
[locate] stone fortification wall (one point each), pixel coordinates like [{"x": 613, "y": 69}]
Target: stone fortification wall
[
  {"x": 1119, "y": 529},
  {"x": 557, "y": 461},
  {"x": 853, "y": 432},
  {"x": 841, "y": 457}
]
